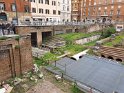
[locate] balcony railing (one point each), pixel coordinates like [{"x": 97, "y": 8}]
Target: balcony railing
[{"x": 39, "y": 23}]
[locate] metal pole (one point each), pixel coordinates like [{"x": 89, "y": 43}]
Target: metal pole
[{"x": 16, "y": 11}]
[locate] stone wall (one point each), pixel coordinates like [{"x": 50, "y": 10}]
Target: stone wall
[
  {"x": 58, "y": 29},
  {"x": 86, "y": 40},
  {"x": 15, "y": 57},
  {"x": 93, "y": 28}
]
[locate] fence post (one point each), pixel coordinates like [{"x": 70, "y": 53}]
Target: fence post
[
  {"x": 65, "y": 68},
  {"x": 55, "y": 63}
]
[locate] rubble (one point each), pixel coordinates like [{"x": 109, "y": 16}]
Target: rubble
[{"x": 17, "y": 81}]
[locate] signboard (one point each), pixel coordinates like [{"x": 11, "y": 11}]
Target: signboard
[{"x": 119, "y": 28}]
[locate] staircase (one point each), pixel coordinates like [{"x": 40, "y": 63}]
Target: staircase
[{"x": 54, "y": 42}]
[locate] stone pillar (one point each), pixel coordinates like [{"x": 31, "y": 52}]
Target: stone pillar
[
  {"x": 39, "y": 38},
  {"x": 73, "y": 30}
]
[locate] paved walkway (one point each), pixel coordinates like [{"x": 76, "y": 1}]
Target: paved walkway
[{"x": 45, "y": 87}]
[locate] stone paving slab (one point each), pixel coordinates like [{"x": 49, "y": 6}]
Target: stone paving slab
[{"x": 36, "y": 52}]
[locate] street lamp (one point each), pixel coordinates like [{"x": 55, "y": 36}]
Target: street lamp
[{"x": 16, "y": 11}]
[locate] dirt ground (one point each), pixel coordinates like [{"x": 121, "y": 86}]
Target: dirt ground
[
  {"x": 51, "y": 85},
  {"x": 45, "y": 87}
]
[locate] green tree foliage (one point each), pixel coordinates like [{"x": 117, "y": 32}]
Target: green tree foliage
[{"x": 108, "y": 32}]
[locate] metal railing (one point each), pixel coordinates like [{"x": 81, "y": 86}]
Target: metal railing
[{"x": 39, "y": 23}]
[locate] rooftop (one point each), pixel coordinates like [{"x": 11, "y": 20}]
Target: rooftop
[{"x": 97, "y": 73}]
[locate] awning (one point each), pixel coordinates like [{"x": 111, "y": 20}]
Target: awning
[
  {"x": 38, "y": 17},
  {"x": 104, "y": 15}
]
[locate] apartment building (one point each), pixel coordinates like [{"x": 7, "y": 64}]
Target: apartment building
[
  {"x": 65, "y": 10},
  {"x": 76, "y": 10},
  {"x": 45, "y": 10},
  {"x": 8, "y": 10},
  {"x": 107, "y": 10}
]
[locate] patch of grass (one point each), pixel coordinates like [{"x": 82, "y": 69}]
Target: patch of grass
[
  {"x": 17, "y": 46},
  {"x": 117, "y": 40},
  {"x": 49, "y": 57},
  {"x": 74, "y": 48},
  {"x": 107, "y": 32},
  {"x": 46, "y": 59},
  {"x": 39, "y": 62},
  {"x": 75, "y": 36},
  {"x": 17, "y": 38},
  {"x": 92, "y": 43},
  {"x": 75, "y": 89},
  {"x": 3, "y": 38}
]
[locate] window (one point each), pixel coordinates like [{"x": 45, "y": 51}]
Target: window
[
  {"x": 54, "y": 12},
  {"x": 119, "y": 0},
  {"x": 41, "y": 1},
  {"x": 13, "y": 7},
  {"x": 40, "y": 10},
  {"x": 99, "y": 12},
  {"x": 47, "y": 2},
  {"x": 2, "y": 6},
  {"x": 105, "y": 12},
  {"x": 105, "y": 1},
  {"x": 59, "y": 12},
  {"x": 33, "y": 10},
  {"x": 67, "y": 8},
  {"x": 112, "y": 1},
  {"x": 118, "y": 12},
  {"x": 47, "y": 11},
  {"x": 63, "y": 1},
  {"x": 26, "y": 9},
  {"x": 54, "y": 3},
  {"x": 58, "y": 3},
  {"x": 111, "y": 12},
  {"x": 32, "y": 1},
  {"x": 67, "y": 1},
  {"x": 64, "y": 7}
]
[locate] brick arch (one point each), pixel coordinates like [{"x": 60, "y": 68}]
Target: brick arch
[
  {"x": 3, "y": 16},
  {"x": 103, "y": 56},
  {"x": 118, "y": 59},
  {"x": 110, "y": 57}
]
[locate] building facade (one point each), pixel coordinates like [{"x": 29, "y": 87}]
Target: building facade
[
  {"x": 76, "y": 10},
  {"x": 106, "y": 10},
  {"x": 45, "y": 10},
  {"x": 8, "y": 10},
  {"x": 65, "y": 10}
]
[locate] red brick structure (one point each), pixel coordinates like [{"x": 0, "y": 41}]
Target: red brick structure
[
  {"x": 15, "y": 57},
  {"x": 76, "y": 10},
  {"x": 111, "y": 53},
  {"x": 9, "y": 8}
]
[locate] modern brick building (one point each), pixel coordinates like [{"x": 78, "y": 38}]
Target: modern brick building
[
  {"x": 8, "y": 9},
  {"x": 96, "y": 9},
  {"x": 15, "y": 56},
  {"x": 76, "y": 10}
]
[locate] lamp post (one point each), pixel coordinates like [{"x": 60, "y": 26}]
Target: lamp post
[{"x": 16, "y": 11}]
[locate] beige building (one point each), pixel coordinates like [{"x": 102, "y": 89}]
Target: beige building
[
  {"x": 65, "y": 10},
  {"x": 45, "y": 10}
]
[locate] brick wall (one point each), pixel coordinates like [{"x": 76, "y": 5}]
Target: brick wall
[
  {"x": 16, "y": 57},
  {"x": 22, "y": 30}
]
